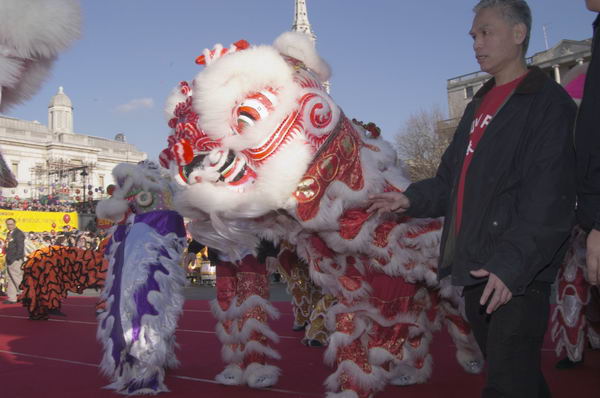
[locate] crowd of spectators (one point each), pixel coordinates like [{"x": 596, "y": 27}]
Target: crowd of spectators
[
  {"x": 37, "y": 205},
  {"x": 67, "y": 237}
]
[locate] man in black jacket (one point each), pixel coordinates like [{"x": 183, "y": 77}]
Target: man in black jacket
[
  {"x": 506, "y": 187},
  {"x": 15, "y": 252},
  {"x": 587, "y": 144}
]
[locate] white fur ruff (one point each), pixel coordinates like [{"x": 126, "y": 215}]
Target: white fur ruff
[{"x": 33, "y": 33}]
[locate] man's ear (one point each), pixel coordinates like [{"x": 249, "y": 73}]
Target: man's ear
[{"x": 519, "y": 33}]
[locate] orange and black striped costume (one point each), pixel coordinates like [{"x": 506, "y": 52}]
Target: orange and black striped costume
[{"x": 51, "y": 272}]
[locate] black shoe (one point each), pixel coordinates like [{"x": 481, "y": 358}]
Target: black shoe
[
  {"x": 566, "y": 363},
  {"x": 57, "y": 312},
  {"x": 43, "y": 317},
  {"x": 9, "y": 302},
  {"x": 299, "y": 328},
  {"x": 312, "y": 343}
]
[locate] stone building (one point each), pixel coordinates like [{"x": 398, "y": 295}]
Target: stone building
[{"x": 54, "y": 160}]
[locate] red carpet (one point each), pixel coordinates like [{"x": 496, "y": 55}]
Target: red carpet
[{"x": 58, "y": 358}]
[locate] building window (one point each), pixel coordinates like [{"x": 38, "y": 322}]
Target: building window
[
  {"x": 101, "y": 182},
  {"x": 469, "y": 91},
  {"x": 15, "y": 169}
]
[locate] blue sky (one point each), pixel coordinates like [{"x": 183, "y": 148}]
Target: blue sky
[{"x": 390, "y": 58}]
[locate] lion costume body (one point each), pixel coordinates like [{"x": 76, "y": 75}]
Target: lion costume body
[
  {"x": 264, "y": 152},
  {"x": 144, "y": 283}
]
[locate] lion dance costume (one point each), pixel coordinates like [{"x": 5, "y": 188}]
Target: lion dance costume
[
  {"x": 264, "y": 152},
  {"x": 50, "y": 273},
  {"x": 309, "y": 304},
  {"x": 576, "y": 317},
  {"x": 32, "y": 34},
  {"x": 242, "y": 308},
  {"x": 144, "y": 284}
]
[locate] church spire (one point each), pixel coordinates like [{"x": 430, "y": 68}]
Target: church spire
[{"x": 301, "y": 23}]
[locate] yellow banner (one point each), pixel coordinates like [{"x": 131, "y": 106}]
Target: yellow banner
[{"x": 38, "y": 221}]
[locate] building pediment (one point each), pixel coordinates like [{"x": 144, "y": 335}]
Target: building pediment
[{"x": 563, "y": 48}]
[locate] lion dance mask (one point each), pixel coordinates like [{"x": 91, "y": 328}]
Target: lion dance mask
[{"x": 263, "y": 151}]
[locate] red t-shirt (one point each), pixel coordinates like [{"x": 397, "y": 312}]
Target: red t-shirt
[{"x": 485, "y": 113}]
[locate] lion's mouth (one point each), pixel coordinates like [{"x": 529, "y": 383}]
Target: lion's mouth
[{"x": 220, "y": 167}]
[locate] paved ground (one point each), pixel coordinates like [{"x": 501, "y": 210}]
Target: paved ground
[{"x": 205, "y": 292}]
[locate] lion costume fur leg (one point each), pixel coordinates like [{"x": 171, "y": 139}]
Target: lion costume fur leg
[
  {"x": 576, "y": 317},
  {"x": 242, "y": 310},
  {"x": 309, "y": 304}
]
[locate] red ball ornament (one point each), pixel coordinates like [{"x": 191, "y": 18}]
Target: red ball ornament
[
  {"x": 67, "y": 218},
  {"x": 53, "y": 225}
]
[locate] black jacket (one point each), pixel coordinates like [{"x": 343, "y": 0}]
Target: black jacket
[
  {"x": 587, "y": 143},
  {"x": 519, "y": 197},
  {"x": 15, "y": 249}
]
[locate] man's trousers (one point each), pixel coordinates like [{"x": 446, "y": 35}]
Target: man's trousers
[
  {"x": 14, "y": 276},
  {"x": 511, "y": 339}
]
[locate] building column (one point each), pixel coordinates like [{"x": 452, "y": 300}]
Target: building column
[{"x": 556, "y": 73}]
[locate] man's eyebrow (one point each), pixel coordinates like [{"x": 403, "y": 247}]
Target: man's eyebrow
[{"x": 480, "y": 27}]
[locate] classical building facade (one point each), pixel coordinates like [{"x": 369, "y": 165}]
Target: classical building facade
[
  {"x": 54, "y": 160},
  {"x": 556, "y": 62}
]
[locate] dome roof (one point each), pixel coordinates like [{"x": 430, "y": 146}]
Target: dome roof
[{"x": 60, "y": 99}]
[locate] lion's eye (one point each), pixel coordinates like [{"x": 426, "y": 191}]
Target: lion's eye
[
  {"x": 144, "y": 199},
  {"x": 254, "y": 108},
  {"x": 246, "y": 117}
]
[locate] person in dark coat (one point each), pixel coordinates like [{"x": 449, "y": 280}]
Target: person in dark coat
[
  {"x": 575, "y": 322},
  {"x": 506, "y": 187},
  {"x": 587, "y": 146},
  {"x": 15, "y": 253}
]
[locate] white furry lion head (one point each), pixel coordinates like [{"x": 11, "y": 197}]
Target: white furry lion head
[
  {"x": 140, "y": 188},
  {"x": 245, "y": 130}
]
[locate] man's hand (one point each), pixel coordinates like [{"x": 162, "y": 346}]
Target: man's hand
[
  {"x": 495, "y": 288},
  {"x": 388, "y": 202},
  {"x": 593, "y": 257}
]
